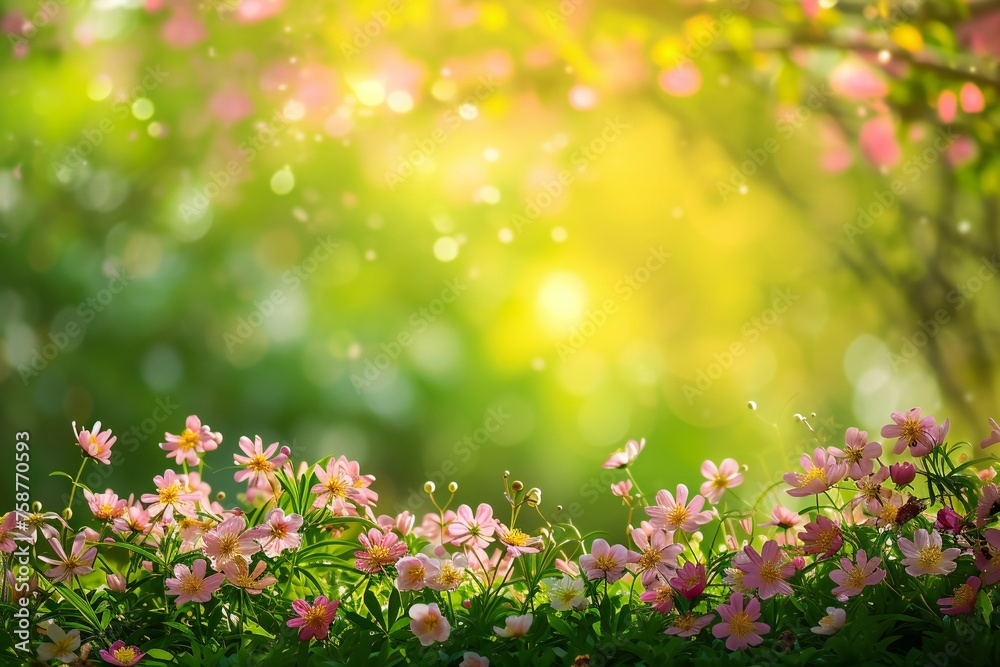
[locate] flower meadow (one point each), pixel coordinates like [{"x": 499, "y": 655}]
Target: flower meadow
[{"x": 880, "y": 552}]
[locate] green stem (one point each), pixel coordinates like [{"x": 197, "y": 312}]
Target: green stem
[{"x": 79, "y": 473}]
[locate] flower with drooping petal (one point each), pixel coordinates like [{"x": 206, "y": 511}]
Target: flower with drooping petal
[
  {"x": 517, "y": 541},
  {"x": 429, "y": 624},
  {"x": 859, "y": 454},
  {"x": 988, "y": 505},
  {"x": 987, "y": 556},
  {"x": 253, "y": 582},
  {"x": 259, "y": 463},
  {"x": 734, "y": 575},
  {"x": 190, "y": 584},
  {"x": 994, "y": 436},
  {"x": 313, "y": 620},
  {"x": 566, "y": 593},
  {"x": 279, "y": 533},
  {"x": 657, "y": 554},
  {"x": 515, "y": 626},
  {"x": 688, "y": 625},
  {"x": 788, "y": 522},
  {"x": 720, "y": 477},
  {"x": 690, "y": 580},
  {"x": 471, "y": 659},
  {"x": 925, "y": 556},
  {"x": 380, "y": 549},
  {"x": 61, "y": 645},
  {"x": 414, "y": 571},
  {"x": 474, "y": 531},
  {"x": 739, "y": 625},
  {"x": 912, "y": 431},
  {"x": 832, "y": 622},
  {"x": 821, "y": 472},
  {"x": 624, "y": 459},
  {"x": 230, "y": 541},
  {"x": 606, "y": 561},
  {"x": 674, "y": 514},
  {"x": 822, "y": 537},
  {"x": 660, "y": 597},
  {"x": 767, "y": 571},
  {"x": 7, "y": 526},
  {"x": 77, "y": 563},
  {"x": 121, "y": 655},
  {"x": 171, "y": 496},
  {"x": 196, "y": 438},
  {"x": 96, "y": 443},
  {"x": 963, "y": 600},
  {"x": 622, "y": 488},
  {"x": 852, "y": 578}
]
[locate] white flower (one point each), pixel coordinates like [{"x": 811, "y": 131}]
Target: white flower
[{"x": 566, "y": 593}]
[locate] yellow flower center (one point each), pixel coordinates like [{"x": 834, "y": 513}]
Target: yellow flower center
[
  {"x": 855, "y": 578},
  {"x": 229, "y": 546},
  {"x": 825, "y": 539},
  {"x": 736, "y": 575},
  {"x": 911, "y": 430},
  {"x": 64, "y": 645},
  {"x": 964, "y": 595},
  {"x": 677, "y": 515},
  {"x": 889, "y": 512},
  {"x": 663, "y": 594},
  {"x": 854, "y": 454},
  {"x": 189, "y": 440},
  {"x": 770, "y": 572},
  {"x": 244, "y": 580},
  {"x": 929, "y": 556},
  {"x": 720, "y": 482},
  {"x": 450, "y": 576},
  {"x": 336, "y": 487},
  {"x": 827, "y": 621},
  {"x": 259, "y": 463},
  {"x": 125, "y": 654},
  {"x": 516, "y": 537},
  {"x": 431, "y": 621},
  {"x": 72, "y": 562},
  {"x": 685, "y": 622},
  {"x": 170, "y": 495},
  {"x": 813, "y": 473},
  {"x": 316, "y": 617},
  {"x": 190, "y": 584},
  {"x": 378, "y": 553},
  {"x": 416, "y": 574},
  {"x": 649, "y": 559},
  {"x": 606, "y": 563},
  {"x": 740, "y": 624},
  {"x": 106, "y": 511},
  {"x": 567, "y": 596}
]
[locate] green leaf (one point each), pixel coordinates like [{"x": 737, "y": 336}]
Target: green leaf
[
  {"x": 80, "y": 604},
  {"x": 159, "y": 654},
  {"x": 374, "y": 608},
  {"x": 149, "y": 555}
]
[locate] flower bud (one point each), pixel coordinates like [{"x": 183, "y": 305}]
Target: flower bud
[
  {"x": 516, "y": 486},
  {"x": 534, "y": 496},
  {"x": 467, "y": 603},
  {"x": 429, "y": 487},
  {"x": 220, "y": 496},
  {"x": 116, "y": 582},
  {"x": 902, "y": 473},
  {"x": 36, "y": 506},
  {"x": 67, "y": 514},
  {"x": 453, "y": 487}
]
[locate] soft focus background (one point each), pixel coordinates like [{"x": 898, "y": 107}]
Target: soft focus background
[{"x": 380, "y": 228}]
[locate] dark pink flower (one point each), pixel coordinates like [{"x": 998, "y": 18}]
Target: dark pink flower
[
  {"x": 739, "y": 625},
  {"x": 902, "y": 473},
  {"x": 767, "y": 571},
  {"x": 963, "y": 600},
  {"x": 381, "y": 549},
  {"x": 314, "y": 619},
  {"x": 822, "y": 537},
  {"x": 913, "y": 431},
  {"x": 949, "y": 521},
  {"x": 859, "y": 454},
  {"x": 690, "y": 580},
  {"x": 121, "y": 655}
]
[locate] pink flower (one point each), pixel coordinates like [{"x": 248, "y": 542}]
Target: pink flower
[
  {"x": 516, "y": 626},
  {"x": 987, "y": 557},
  {"x": 949, "y": 521},
  {"x": 963, "y": 600},
  {"x": 660, "y": 597},
  {"x": 902, "y": 473},
  {"x": 787, "y": 521},
  {"x": 821, "y": 473},
  {"x": 195, "y": 439},
  {"x": 381, "y": 549},
  {"x": 878, "y": 142},
  {"x": 674, "y": 514},
  {"x": 994, "y": 436},
  {"x": 724, "y": 476},
  {"x": 851, "y": 579},
  {"x": 471, "y": 659},
  {"x": 767, "y": 571},
  {"x": 450, "y": 573},
  {"x": 832, "y": 622},
  {"x": 279, "y": 533},
  {"x": 313, "y": 619},
  {"x": 95, "y": 443},
  {"x": 739, "y": 625},
  {"x": 115, "y": 582},
  {"x": 230, "y": 541},
  {"x": 106, "y": 506},
  {"x": 859, "y": 454},
  {"x": 171, "y": 496},
  {"x": 606, "y": 562},
  {"x": 988, "y": 505},
  {"x": 414, "y": 571},
  {"x": 624, "y": 459},
  {"x": 7, "y": 544},
  {"x": 947, "y": 106},
  {"x": 971, "y": 98},
  {"x": 259, "y": 464},
  {"x": 77, "y": 563},
  {"x": 121, "y": 655},
  {"x": 853, "y": 79},
  {"x": 191, "y": 584},
  {"x": 429, "y": 624},
  {"x": 690, "y": 580},
  {"x": 239, "y": 575},
  {"x": 658, "y": 556},
  {"x": 822, "y": 537},
  {"x": 622, "y": 488},
  {"x": 517, "y": 541},
  {"x": 340, "y": 484},
  {"x": 688, "y": 625},
  {"x": 404, "y": 522},
  {"x": 912, "y": 431},
  {"x": 871, "y": 493},
  {"x": 475, "y": 532},
  {"x": 567, "y": 567},
  {"x": 924, "y": 554}
]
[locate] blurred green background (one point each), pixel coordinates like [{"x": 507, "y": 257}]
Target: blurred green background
[{"x": 360, "y": 228}]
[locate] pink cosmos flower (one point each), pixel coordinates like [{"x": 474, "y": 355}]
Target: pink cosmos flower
[
  {"x": 821, "y": 472},
  {"x": 239, "y": 575},
  {"x": 517, "y": 541},
  {"x": 61, "y": 645},
  {"x": 279, "y": 533},
  {"x": 859, "y": 455},
  {"x": 963, "y": 600},
  {"x": 994, "y": 436},
  {"x": 135, "y": 520},
  {"x": 121, "y": 655},
  {"x": 472, "y": 531},
  {"x": 259, "y": 463},
  {"x": 606, "y": 562},
  {"x": 77, "y": 563},
  {"x": 675, "y": 514},
  {"x": 471, "y": 659},
  {"x": 190, "y": 584},
  {"x": 96, "y": 443},
  {"x": 739, "y": 626},
  {"x": 622, "y": 488},
  {"x": 987, "y": 557},
  {"x": 851, "y": 579},
  {"x": 624, "y": 459},
  {"x": 414, "y": 571},
  {"x": 230, "y": 541},
  {"x": 313, "y": 619},
  {"x": 788, "y": 523},
  {"x": 7, "y": 544},
  {"x": 171, "y": 496},
  {"x": 429, "y": 624},
  {"x": 870, "y": 491},
  {"x": 195, "y": 439},
  {"x": 515, "y": 626},
  {"x": 912, "y": 431},
  {"x": 720, "y": 477},
  {"x": 690, "y": 580},
  {"x": 380, "y": 549},
  {"x": 106, "y": 506},
  {"x": 767, "y": 571},
  {"x": 822, "y": 537},
  {"x": 988, "y": 505},
  {"x": 688, "y": 625},
  {"x": 660, "y": 597},
  {"x": 832, "y": 622},
  {"x": 658, "y": 555},
  {"x": 924, "y": 555}
]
